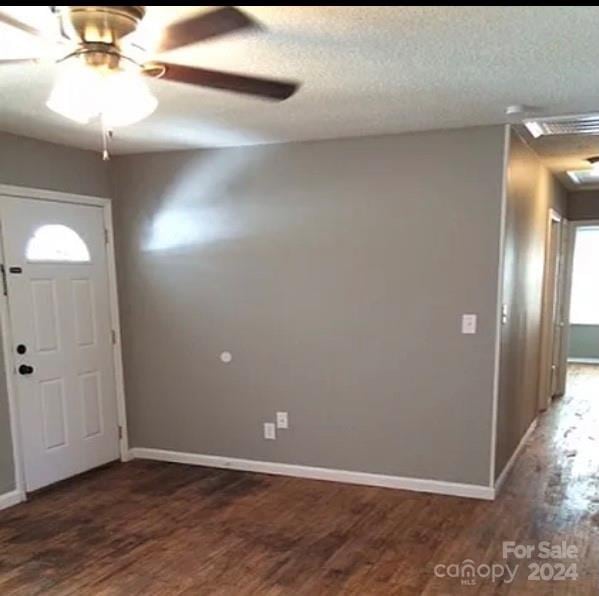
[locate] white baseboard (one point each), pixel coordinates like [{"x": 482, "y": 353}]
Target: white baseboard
[
  {"x": 14, "y": 497},
  {"x": 510, "y": 464},
  {"x": 247, "y": 465}
]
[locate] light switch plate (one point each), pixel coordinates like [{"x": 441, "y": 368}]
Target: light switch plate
[
  {"x": 282, "y": 420},
  {"x": 468, "y": 324},
  {"x": 270, "y": 432}
]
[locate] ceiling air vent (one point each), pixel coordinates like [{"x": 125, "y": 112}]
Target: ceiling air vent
[
  {"x": 564, "y": 125},
  {"x": 584, "y": 176}
]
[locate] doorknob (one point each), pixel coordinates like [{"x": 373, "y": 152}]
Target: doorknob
[{"x": 25, "y": 369}]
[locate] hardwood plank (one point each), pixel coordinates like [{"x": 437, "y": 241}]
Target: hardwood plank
[{"x": 155, "y": 528}]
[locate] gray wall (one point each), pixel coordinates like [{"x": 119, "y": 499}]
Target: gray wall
[
  {"x": 531, "y": 190},
  {"x": 584, "y": 342},
  {"x": 583, "y": 204},
  {"x": 36, "y": 164},
  {"x": 336, "y": 273},
  {"x": 28, "y": 162}
]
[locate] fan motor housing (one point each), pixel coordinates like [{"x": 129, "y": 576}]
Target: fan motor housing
[{"x": 99, "y": 24}]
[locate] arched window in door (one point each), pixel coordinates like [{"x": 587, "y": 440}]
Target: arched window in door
[{"x": 56, "y": 243}]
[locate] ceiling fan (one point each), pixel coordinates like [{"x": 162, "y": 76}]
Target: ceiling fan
[{"x": 102, "y": 66}]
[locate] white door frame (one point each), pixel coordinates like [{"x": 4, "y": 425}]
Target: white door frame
[
  {"x": 9, "y": 360},
  {"x": 563, "y": 301},
  {"x": 548, "y": 310}
]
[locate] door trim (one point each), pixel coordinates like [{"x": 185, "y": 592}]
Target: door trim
[
  {"x": 548, "y": 309},
  {"x": 566, "y": 231},
  {"x": 9, "y": 360}
]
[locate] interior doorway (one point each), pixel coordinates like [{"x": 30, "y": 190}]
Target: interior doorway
[
  {"x": 552, "y": 357},
  {"x": 581, "y": 330},
  {"x": 570, "y": 324}
]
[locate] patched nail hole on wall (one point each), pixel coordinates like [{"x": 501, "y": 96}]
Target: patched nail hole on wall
[{"x": 226, "y": 357}]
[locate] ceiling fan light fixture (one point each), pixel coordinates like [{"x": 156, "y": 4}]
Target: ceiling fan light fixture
[
  {"x": 126, "y": 99},
  {"x": 103, "y": 61},
  {"x": 75, "y": 94},
  {"x": 83, "y": 92}
]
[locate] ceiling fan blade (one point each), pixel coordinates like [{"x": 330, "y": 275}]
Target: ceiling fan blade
[
  {"x": 12, "y": 22},
  {"x": 204, "y": 26},
  {"x": 215, "y": 79}
]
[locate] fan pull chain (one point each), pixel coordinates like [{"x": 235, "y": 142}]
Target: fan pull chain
[{"x": 107, "y": 135}]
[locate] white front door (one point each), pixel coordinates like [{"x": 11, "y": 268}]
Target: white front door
[{"x": 58, "y": 298}]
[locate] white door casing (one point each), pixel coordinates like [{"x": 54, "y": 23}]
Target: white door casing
[
  {"x": 550, "y": 330},
  {"x": 60, "y": 311},
  {"x": 561, "y": 353}
]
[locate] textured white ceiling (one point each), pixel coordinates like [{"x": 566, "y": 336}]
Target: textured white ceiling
[{"x": 365, "y": 70}]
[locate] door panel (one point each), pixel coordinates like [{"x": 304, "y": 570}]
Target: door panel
[
  {"x": 92, "y": 412},
  {"x": 60, "y": 310},
  {"x": 84, "y": 312},
  {"x": 53, "y": 413},
  {"x": 43, "y": 292}
]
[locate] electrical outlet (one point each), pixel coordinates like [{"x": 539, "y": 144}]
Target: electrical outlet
[
  {"x": 282, "y": 420},
  {"x": 469, "y": 324},
  {"x": 270, "y": 432}
]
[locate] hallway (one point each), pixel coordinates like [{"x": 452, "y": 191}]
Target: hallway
[{"x": 570, "y": 429}]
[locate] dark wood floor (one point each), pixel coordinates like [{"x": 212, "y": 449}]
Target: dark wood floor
[{"x": 154, "y": 528}]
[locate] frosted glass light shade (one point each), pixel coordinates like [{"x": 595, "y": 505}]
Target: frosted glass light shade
[
  {"x": 82, "y": 93},
  {"x": 126, "y": 99},
  {"x": 77, "y": 92}
]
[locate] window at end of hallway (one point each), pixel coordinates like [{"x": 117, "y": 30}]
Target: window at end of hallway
[{"x": 584, "y": 306}]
